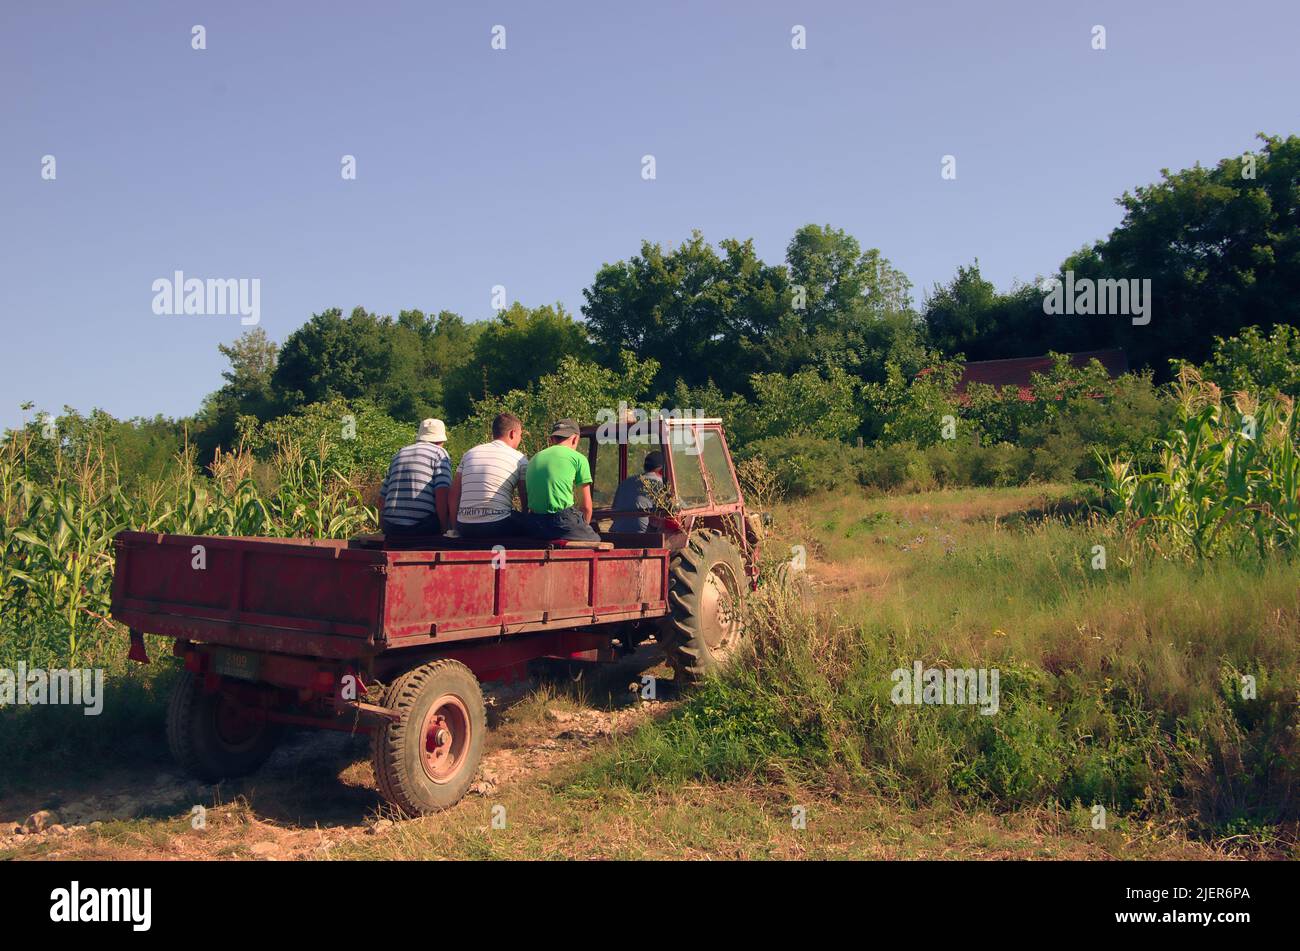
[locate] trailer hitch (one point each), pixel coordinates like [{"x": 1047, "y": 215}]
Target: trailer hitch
[{"x": 373, "y": 713}]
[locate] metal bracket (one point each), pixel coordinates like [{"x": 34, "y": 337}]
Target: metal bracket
[{"x": 372, "y": 711}]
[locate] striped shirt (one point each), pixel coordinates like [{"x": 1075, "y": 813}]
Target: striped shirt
[
  {"x": 414, "y": 474},
  {"x": 488, "y": 476}
]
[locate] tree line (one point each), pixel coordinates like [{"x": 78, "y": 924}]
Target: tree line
[{"x": 814, "y": 334}]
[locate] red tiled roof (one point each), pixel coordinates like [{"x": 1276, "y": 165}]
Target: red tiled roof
[{"x": 1018, "y": 372}]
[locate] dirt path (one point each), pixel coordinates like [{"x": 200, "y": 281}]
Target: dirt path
[{"x": 318, "y": 789}]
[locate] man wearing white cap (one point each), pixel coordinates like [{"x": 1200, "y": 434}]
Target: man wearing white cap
[{"x": 415, "y": 489}]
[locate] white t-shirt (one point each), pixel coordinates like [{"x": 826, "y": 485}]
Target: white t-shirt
[{"x": 488, "y": 475}]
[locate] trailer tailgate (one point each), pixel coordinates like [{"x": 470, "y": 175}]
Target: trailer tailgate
[{"x": 318, "y": 598}]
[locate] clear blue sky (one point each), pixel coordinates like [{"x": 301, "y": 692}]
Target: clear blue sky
[{"x": 522, "y": 167}]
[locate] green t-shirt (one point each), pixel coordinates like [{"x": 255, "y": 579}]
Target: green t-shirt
[{"x": 552, "y": 474}]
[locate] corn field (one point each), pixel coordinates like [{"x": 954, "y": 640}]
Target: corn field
[
  {"x": 1228, "y": 481},
  {"x": 57, "y": 528}
]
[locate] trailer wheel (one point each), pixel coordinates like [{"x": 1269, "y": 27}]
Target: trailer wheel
[
  {"x": 706, "y": 590},
  {"x": 212, "y": 736},
  {"x": 426, "y": 761}
]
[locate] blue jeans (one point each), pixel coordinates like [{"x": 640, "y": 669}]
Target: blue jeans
[
  {"x": 567, "y": 524},
  {"x": 426, "y": 526},
  {"x": 512, "y": 526}
]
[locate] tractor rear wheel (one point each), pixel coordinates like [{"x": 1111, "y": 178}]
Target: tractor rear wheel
[
  {"x": 425, "y": 761},
  {"x": 706, "y": 591},
  {"x": 212, "y": 736}
]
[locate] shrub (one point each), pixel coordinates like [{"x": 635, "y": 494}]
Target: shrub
[
  {"x": 1250, "y": 361},
  {"x": 801, "y": 467},
  {"x": 354, "y": 437}
]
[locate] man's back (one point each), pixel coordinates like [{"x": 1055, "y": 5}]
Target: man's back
[
  {"x": 552, "y": 474},
  {"x": 636, "y": 494},
  {"x": 488, "y": 475},
  {"x": 416, "y": 472}
]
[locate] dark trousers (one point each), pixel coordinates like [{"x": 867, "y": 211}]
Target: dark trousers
[
  {"x": 567, "y": 524},
  {"x": 514, "y": 524},
  {"x": 429, "y": 525}
]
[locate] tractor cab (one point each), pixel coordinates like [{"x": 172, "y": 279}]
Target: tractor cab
[{"x": 700, "y": 485}]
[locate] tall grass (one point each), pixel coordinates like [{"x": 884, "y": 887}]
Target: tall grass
[
  {"x": 57, "y": 524},
  {"x": 1120, "y": 687}
]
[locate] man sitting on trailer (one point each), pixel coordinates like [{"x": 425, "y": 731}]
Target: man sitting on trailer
[
  {"x": 559, "y": 489},
  {"x": 640, "y": 493},
  {"x": 481, "y": 493},
  {"x": 416, "y": 487}
]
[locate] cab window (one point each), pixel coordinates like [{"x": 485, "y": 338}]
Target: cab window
[
  {"x": 715, "y": 462},
  {"x": 604, "y": 472},
  {"x": 688, "y": 478}
]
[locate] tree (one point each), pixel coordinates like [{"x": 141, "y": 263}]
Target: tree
[
  {"x": 363, "y": 356},
  {"x": 706, "y": 316},
  {"x": 807, "y": 403},
  {"x": 968, "y": 316},
  {"x": 514, "y": 350},
  {"x": 913, "y": 409},
  {"x": 1220, "y": 247},
  {"x": 355, "y": 437},
  {"x": 960, "y": 315},
  {"x": 700, "y": 315},
  {"x": 1257, "y": 364},
  {"x": 248, "y": 391},
  {"x": 578, "y": 389},
  {"x": 857, "y": 310}
]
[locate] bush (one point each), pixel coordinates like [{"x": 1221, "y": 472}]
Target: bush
[
  {"x": 577, "y": 389},
  {"x": 354, "y": 437},
  {"x": 1250, "y": 361},
  {"x": 802, "y": 467},
  {"x": 807, "y": 403}
]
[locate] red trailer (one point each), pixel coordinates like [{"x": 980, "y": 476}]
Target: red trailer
[{"x": 392, "y": 638}]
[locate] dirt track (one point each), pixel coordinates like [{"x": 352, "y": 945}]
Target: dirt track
[{"x": 318, "y": 789}]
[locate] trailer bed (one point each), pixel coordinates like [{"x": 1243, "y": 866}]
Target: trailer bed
[{"x": 338, "y": 598}]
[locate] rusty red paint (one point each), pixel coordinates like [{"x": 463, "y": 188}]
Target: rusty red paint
[{"x": 356, "y": 603}]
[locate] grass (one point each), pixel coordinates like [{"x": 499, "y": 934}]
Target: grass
[
  {"x": 1120, "y": 687},
  {"x": 747, "y": 821},
  {"x": 548, "y": 821}
]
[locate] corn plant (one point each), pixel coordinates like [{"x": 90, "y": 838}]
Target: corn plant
[
  {"x": 57, "y": 526},
  {"x": 1228, "y": 480}
]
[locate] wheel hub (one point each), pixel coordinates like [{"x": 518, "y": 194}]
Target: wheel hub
[
  {"x": 446, "y": 735},
  {"x": 237, "y": 727},
  {"x": 720, "y": 609}
]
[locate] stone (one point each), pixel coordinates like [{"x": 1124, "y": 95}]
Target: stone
[{"x": 39, "y": 822}]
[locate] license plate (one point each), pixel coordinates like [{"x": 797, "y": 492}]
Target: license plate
[{"x": 239, "y": 664}]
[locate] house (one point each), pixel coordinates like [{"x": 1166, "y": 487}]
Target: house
[{"x": 1018, "y": 372}]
